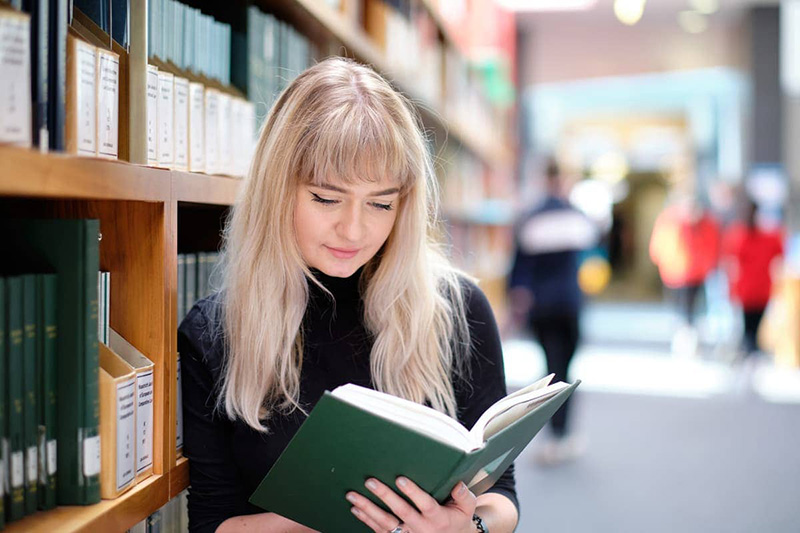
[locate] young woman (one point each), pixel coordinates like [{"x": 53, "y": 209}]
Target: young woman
[{"x": 332, "y": 277}]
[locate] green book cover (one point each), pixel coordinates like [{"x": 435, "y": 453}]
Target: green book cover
[
  {"x": 15, "y": 498},
  {"x": 3, "y": 444},
  {"x": 341, "y": 444},
  {"x": 30, "y": 415},
  {"x": 71, "y": 249},
  {"x": 48, "y": 377}
]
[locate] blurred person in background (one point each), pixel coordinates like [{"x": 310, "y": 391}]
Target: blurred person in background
[
  {"x": 684, "y": 246},
  {"x": 544, "y": 294},
  {"x": 751, "y": 256}
]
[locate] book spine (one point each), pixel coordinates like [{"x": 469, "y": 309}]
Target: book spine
[
  {"x": 3, "y": 442},
  {"x": 91, "y": 414},
  {"x": 144, "y": 420},
  {"x": 107, "y": 104},
  {"x": 196, "y": 134},
  {"x": 30, "y": 416},
  {"x": 181, "y": 116},
  {"x": 152, "y": 115},
  {"x": 15, "y": 78},
  {"x": 15, "y": 352},
  {"x": 39, "y": 45},
  {"x": 166, "y": 131},
  {"x": 47, "y": 400},
  {"x": 57, "y": 72}
]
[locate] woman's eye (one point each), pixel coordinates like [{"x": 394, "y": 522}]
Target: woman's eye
[
  {"x": 325, "y": 201},
  {"x": 385, "y": 207}
]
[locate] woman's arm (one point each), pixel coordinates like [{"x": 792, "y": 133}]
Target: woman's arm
[
  {"x": 271, "y": 522},
  {"x": 497, "y": 512}
]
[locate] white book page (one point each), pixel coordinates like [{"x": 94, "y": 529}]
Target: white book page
[
  {"x": 15, "y": 80},
  {"x": 107, "y": 104},
  {"x": 408, "y": 414}
]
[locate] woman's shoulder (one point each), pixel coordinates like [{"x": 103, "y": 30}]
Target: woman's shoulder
[
  {"x": 476, "y": 304},
  {"x": 200, "y": 332}
]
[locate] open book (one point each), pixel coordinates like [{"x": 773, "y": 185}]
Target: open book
[{"x": 354, "y": 433}]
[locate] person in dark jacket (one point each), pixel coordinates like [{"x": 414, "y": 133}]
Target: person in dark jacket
[{"x": 544, "y": 290}]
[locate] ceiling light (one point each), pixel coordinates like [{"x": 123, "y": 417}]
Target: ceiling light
[
  {"x": 692, "y": 21},
  {"x": 629, "y": 11},
  {"x": 547, "y": 5},
  {"x": 706, "y": 7}
]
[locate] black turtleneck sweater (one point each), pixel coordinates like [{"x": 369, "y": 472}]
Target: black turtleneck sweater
[{"x": 228, "y": 459}]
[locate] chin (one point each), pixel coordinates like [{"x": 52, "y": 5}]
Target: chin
[{"x": 339, "y": 270}]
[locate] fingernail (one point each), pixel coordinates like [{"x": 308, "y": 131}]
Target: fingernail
[
  {"x": 355, "y": 511},
  {"x": 462, "y": 489},
  {"x": 402, "y": 482},
  {"x": 371, "y": 484},
  {"x": 351, "y": 497}
]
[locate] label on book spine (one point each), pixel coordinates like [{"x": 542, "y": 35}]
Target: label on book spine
[
  {"x": 144, "y": 421},
  {"x": 166, "y": 125},
  {"x": 196, "y": 133},
  {"x": 152, "y": 115},
  {"x": 91, "y": 456},
  {"x": 17, "y": 469},
  {"x": 52, "y": 457},
  {"x": 15, "y": 80},
  {"x": 86, "y": 89},
  {"x": 181, "y": 123},
  {"x": 107, "y": 104},
  {"x": 31, "y": 465},
  {"x": 126, "y": 446}
]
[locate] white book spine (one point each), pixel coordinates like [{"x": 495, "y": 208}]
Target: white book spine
[
  {"x": 166, "y": 130},
  {"x": 224, "y": 116},
  {"x": 211, "y": 118},
  {"x": 107, "y": 104},
  {"x": 126, "y": 426},
  {"x": 144, "y": 420},
  {"x": 196, "y": 132},
  {"x": 248, "y": 126},
  {"x": 152, "y": 115},
  {"x": 15, "y": 79},
  {"x": 181, "y": 123},
  {"x": 86, "y": 89}
]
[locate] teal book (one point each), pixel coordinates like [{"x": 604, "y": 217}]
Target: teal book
[
  {"x": 354, "y": 433},
  {"x": 3, "y": 446},
  {"x": 30, "y": 415},
  {"x": 70, "y": 248},
  {"x": 14, "y": 448},
  {"x": 47, "y": 327}
]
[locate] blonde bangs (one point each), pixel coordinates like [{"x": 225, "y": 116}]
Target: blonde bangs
[{"x": 355, "y": 143}]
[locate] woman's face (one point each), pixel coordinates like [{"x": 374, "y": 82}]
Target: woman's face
[{"x": 340, "y": 227}]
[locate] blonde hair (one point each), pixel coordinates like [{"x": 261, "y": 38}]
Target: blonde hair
[{"x": 338, "y": 120}]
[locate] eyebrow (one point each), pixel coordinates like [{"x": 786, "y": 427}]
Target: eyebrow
[{"x": 334, "y": 188}]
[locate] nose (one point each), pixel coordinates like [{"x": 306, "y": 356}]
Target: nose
[{"x": 351, "y": 225}]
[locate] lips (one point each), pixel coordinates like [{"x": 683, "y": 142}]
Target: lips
[{"x": 343, "y": 253}]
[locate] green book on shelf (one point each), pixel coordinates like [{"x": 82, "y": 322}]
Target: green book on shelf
[
  {"x": 48, "y": 377},
  {"x": 3, "y": 447},
  {"x": 354, "y": 433},
  {"x": 70, "y": 248},
  {"x": 30, "y": 414},
  {"x": 13, "y": 447}
]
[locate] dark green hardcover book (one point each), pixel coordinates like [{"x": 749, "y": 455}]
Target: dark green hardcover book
[
  {"x": 57, "y": 72},
  {"x": 3, "y": 443},
  {"x": 344, "y": 441},
  {"x": 71, "y": 249},
  {"x": 30, "y": 414},
  {"x": 15, "y": 498},
  {"x": 48, "y": 377},
  {"x": 39, "y": 37}
]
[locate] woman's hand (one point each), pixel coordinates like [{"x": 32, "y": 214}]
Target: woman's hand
[{"x": 429, "y": 517}]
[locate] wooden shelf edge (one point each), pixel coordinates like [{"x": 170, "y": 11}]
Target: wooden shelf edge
[
  {"x": 179, "y": 477},
  {"x": 204, "y": 189},
  {"x": 108, "y": 515},
  {"x": 29, "y": 173}
]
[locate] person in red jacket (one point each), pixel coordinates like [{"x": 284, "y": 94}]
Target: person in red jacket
[
  {"x": 685, "y": 247},
  {"x": 751, "y": 255}
]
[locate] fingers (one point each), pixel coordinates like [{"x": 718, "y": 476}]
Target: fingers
[
  {"x": 463, "y": 499},
  {"x": 372, "y": 515},
  {"x": 422, "y": 500},
  {"x": 397, "y": 504}
]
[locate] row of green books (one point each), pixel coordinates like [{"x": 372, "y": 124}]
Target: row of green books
[
  {"x": 198, "y": 277},
  {"x": 173, "y": 517},
  {"x": 50, "y": 364}
]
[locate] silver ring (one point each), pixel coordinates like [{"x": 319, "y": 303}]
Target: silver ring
[{"x": 398, "y": 529}]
